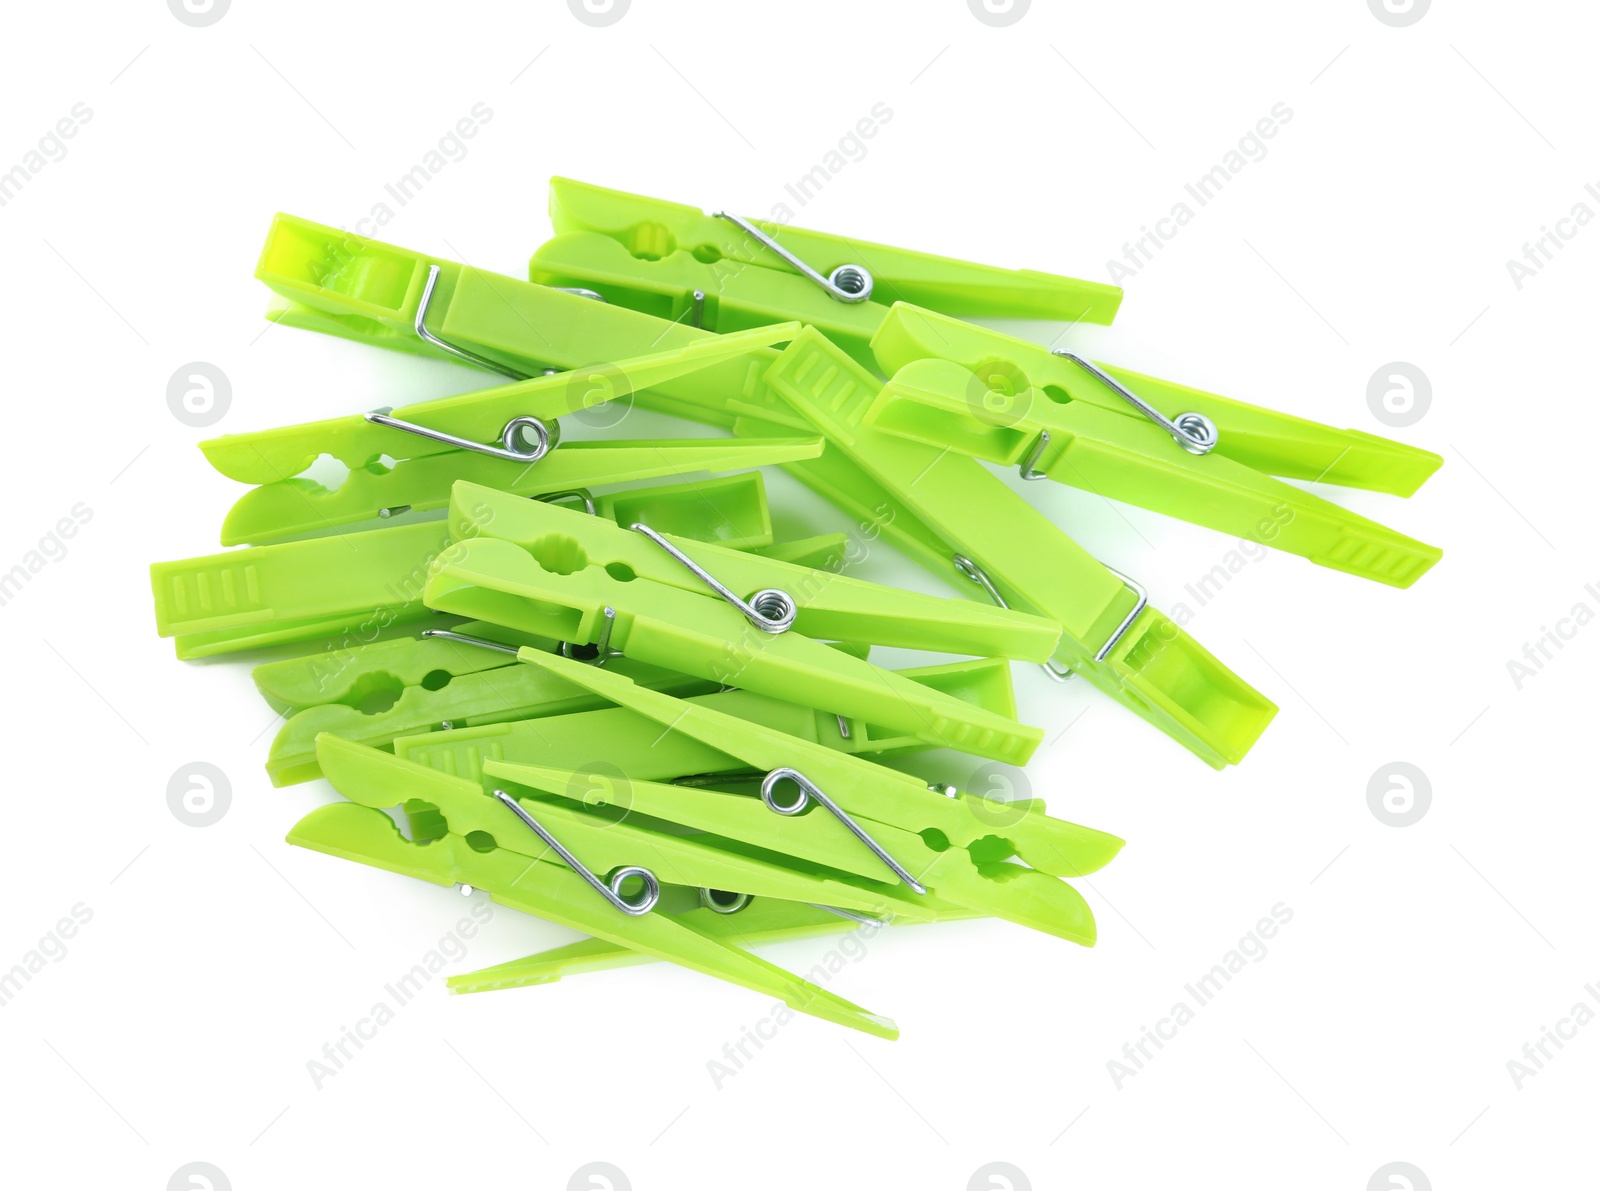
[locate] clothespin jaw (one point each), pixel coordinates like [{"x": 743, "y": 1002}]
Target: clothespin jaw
[
  {"x": 507, "y": 436},
  {"x": 861, "y": 787},
  {"x": 356, "y": 585},
  {"x": 295, "y": 506},
  {"x": 822, "y": 552},
  {"x": 477, "y": 420},
  {"x": 756, "y": 924},
  {"x": 1089, "y": 446},
  {"x": 547, "y": 885},
  {"x": 954, "y": 849},
  {"x": 381, "y": 294},
  {"x": 748, "y": 272},
  {"x": 603, "y": 839},
  {"x": 435, "y": 686},
  {"x": 1275, "y": 443},
  {"x": 635, "y": 744},
  {"x": 552, "y": 590},
  {"x": 360, "y": 584},
  {"x": 825, "y": 604},
  {"x": 962, "y": 522}
]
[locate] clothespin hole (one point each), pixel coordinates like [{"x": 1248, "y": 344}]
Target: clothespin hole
[
  {"x": 559, "y": 554},
  {"x": 1057, "y": 394},
  {"x": 991, "y": 849},
  {"x": 621, "y": 572},
  {"x": 373, "y": 694},
  {"x": 935, "y": 839},
  {"x": 1003, "y": 377},
  {"x": 651, "y": 242},
  {"x": 707, "y": 254},
  {"x": 380, "y": 466},
  {"x": 327, "y": 473},
  {"x": 481, "y": 841},
  {"x": 436, "y": 680},
  {"x": 420, "y": 822}
]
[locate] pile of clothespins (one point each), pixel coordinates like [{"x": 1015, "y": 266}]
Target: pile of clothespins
[{"x": 636, "y": 714}]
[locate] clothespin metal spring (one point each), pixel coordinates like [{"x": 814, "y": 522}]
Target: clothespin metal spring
[
  {"x": 771, "y": 611},
  {"x": 611, "y": 891},
  {"x": 974, "y": 572},
  {"x": 1195, "y": 433},
  {"x": 464, "y": 639},
  {"x": 514, "y": 445},
  {"x": 808, "y": 791},
  {"x": 847, "y": 283}
]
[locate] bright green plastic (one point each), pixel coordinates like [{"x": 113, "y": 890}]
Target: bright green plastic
[
  {"x": 862, "y": 788},
  {"x": 610, "y": 839},
  {"x": 353, "y": 586},
  {"x": 302, "y": 505},
  {"x": 617, "y": 738},
  {"x": 932, "y": 402},
  {"x": 346, "y": 285},
  {"x": 369, "y": 291},
  {"x": 663, "y": 625},
  {"x": 824, "y": 551},
  {"x": 264, "y": 456},
  {"x": 359, "y": 830},
  {"x": 763, "y": 921},
  {"x": 653, "y": 256},
  {"x": 375, "y": 693},
  {"x": 948, "y": 875},
  {"x": 1275, "y": 443},
  {"x": 1156, "y": 669},
  {"x": 830, "y": 605},
  {"x": 991, "y": 396}
]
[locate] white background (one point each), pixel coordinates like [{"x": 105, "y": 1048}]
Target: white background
[{"x": 218, "y": 961}]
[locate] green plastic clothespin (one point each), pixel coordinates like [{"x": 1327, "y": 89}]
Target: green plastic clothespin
[
  {"x": 341, "y": 284},
  {"x": 429, "y": 446},
  {"x": 608, "y": 838},
  {"x": 366, "y": 290},
  {"x": 847, "y": 841},
  {"x": 445, "y": 679},
  {"x": 355, "y": 586},
  {"x": 726, "y": 273},
  {"x": 971, "y": 528},
  {"x": 547, "y": 887},
  {"x": 823, "y": 604},
  {"x": 627, "y": 742},
  {"x": 879, "y": 821},
  {"x": 753, "y": 924},
  {"x": 560, "y": 596},
  {"x": 1008, "y": 401}
]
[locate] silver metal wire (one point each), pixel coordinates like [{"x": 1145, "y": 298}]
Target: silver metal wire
[
  {"x": 847, "y": 283},
  {"x": 974, "y": 572},
  {"x": 464, "y": 639},
  {"x": 420, "y": 325},
  {"x": 770, "y": 610},
  {"x": 809, "y": 791},
  {"x": 602, "y": 647},
  {"x": 737, "y": 901},
  {"x": 1195, "y": 433},
  {"x": 612, "y": 890},
  {"x": 512, "y": 438}
]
